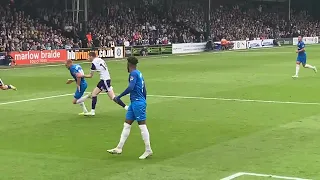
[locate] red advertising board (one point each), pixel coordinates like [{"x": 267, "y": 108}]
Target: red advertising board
[{"x": 39, "y": 57}]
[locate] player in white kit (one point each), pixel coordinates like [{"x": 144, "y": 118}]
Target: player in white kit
[{"x": 104, "y": 84}]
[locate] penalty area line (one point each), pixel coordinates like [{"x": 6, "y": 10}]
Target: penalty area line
[{"x": 181, "y": 97}]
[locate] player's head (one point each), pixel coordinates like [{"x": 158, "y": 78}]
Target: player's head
[
  {"x": 69, "y": 63},
  {"x": 132, "y": 63},
  {"x": 299, "y": 38},
  {"x": 92, "y": 55}
]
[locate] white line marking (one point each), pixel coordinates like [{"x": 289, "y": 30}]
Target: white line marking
[
  {"x": 35, "y": 99},
  {"x": 233, "y": 176},
  {"x": 237, "y": 100},
  {"x": 183, "y": 97},
  {"x": 273, "y": 176}
]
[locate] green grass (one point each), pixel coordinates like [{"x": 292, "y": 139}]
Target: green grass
[{"x": 192, "y": 139}]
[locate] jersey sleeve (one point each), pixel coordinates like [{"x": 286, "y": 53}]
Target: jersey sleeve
[
  {"x": 133, "y": 79},
  {"x": 93, "y": 67},
  {"x": 73, "y": 70}
]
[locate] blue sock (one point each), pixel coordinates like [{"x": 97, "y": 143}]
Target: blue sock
[
  {"x": 120, "y": 102},
  {"x": 9, "y": 87},
  {"x": 94, "y": 102}
]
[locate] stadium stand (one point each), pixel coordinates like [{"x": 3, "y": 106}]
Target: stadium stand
[{"x": 125, "y": 23}]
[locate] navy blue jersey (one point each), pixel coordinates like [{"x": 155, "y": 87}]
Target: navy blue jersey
[
  {"x": 301, "y": 45},
  {"x": 136, "y": 81},
  {"x": 74, "y": 69}
]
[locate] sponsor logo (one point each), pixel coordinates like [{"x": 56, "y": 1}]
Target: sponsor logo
[
  {"x": 37, "y": 57},
  {"x": 307, "y": 40},
  {"x": 83, "y": 54},
  {"x": 188, "y": 48},
  {"x": 119, "y": 52},
  {"x": 260, "y": 43}
]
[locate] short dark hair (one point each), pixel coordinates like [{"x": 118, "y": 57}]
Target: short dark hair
[
  {"x": 92, "y": 54},
  {"x": 132, "y": 60}
]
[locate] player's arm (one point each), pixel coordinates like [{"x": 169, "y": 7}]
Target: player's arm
[
  {"x": 79, "y": 76},
  {"x": 132, "y": 83},
  {"x": 93, "y": 69}
]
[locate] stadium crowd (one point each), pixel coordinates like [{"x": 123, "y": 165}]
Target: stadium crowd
[{"x": 124, "y": 23}]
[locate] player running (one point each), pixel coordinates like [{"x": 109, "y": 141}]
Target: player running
[
  {"x": 104, "y": 84},
  {"x": 302, "y": 58},
  {"x": 77, "y": 74},
  {"x": 137, "y": 109},
  {"x": 6, "y": 87}
]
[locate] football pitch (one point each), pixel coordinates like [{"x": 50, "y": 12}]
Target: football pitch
[{"x": 230, "y": 115}]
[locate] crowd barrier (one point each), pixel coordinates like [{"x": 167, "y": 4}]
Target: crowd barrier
[{"x": 56, "y": 56}]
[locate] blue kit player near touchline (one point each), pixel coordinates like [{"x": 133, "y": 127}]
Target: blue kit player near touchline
[
  {"x": 77, "y": 73},
  {"x": 302, "y": 58},
  {"x": 136, "y": 110}
]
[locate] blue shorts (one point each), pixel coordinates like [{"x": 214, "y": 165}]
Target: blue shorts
[
  {"x": 78, "y": 94},
  {"x": 302, "y": 59},
  {"x": 137, "y": 111}
]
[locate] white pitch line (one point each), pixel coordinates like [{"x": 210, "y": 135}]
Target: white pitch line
[
  {"x": 35, "y": 99},
  {"x": 237, "y": 100},
  {"x": 182, "y": 97},
  {"x": 273, "y": 176},
  {"x": 233, "y": 176}
]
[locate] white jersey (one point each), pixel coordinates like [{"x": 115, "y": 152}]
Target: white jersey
[{"x": 100, "y": 65}]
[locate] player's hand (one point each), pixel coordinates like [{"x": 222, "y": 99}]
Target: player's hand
[
  {"x": 297, "y": 51},
  {"x": 69, "y": 81}
]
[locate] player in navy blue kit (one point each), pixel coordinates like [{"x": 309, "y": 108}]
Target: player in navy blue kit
[
  {"x": 302, "y": 58},
  {"x": 77, "y": 73},
  {"x": 6, "y": 87},
  {"x": 136, "y": 110}
]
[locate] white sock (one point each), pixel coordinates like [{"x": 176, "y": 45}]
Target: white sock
[
  {"x": 93, "y": 110},
  {"x": 124, "y": 135},
  {"x": 82, "y": 99},
  {"x": 297, "y": 69},
  {"x": 83, "y": 107},
  {"x": 309, "y": 66},
  {"x": 145, "y": 136}
]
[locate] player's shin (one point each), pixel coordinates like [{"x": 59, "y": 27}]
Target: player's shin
[
  {"x": 124, "y": 135},
  {"x": 145, "y": 136},
  {"x": 309, "y": 66},
  {"x": 83, "y": 106},
  {"x": 297, "y": 69},
  {"x": 94, "y": 103}
]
